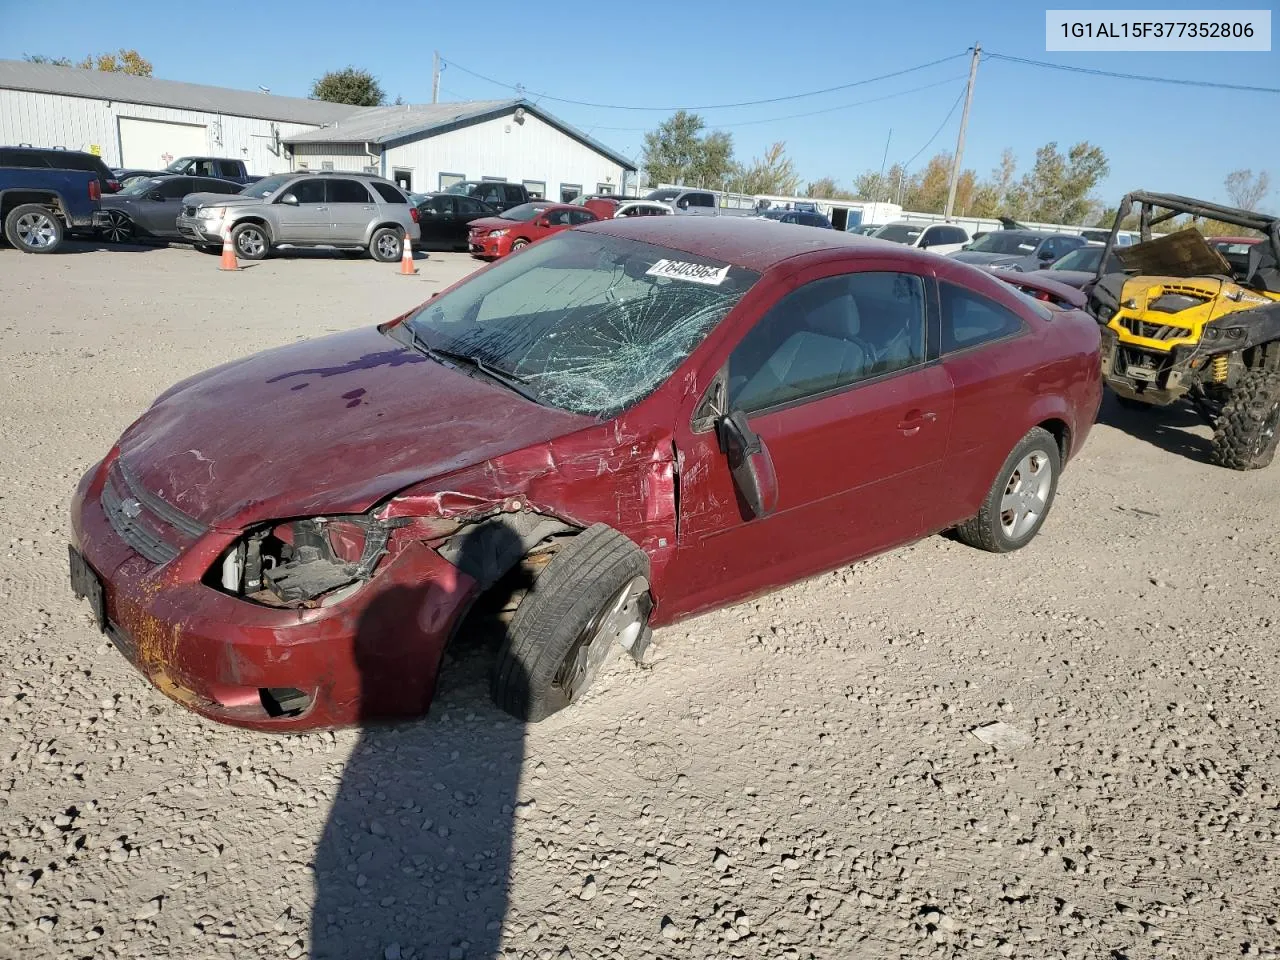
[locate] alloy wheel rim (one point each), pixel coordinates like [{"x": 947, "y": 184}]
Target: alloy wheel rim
[
  {"x": 1026, "y": 495},
  {"x": 36, "y": 230},
  {"x": 619, "y": 621},
  {"x": 388, "y": 246},
  {"x": 118, "y": 227},
  {"x": 251, "y": 242}
]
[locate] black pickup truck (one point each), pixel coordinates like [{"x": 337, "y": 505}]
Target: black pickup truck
[
  {"x": 40, "y": 205},
  {"x": 220, "y": 168}
]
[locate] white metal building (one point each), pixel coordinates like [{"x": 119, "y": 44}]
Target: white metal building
[
  {"x": 140, "y": 121},
  {"x": 431, "y": 146},
  {"x": 145, "y": 123}
]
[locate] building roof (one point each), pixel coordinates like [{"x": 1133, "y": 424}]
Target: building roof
[
  {"x": 387, "y": 125},
  {"x": 99, "y": 85}
]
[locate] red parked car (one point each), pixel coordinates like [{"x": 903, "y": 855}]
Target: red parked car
[
  {"x": 624, "y": 426},
  {"x": 494, "y": 237}
]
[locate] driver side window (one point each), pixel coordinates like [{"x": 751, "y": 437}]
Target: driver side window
[
  {"x": 829, "y": 334},
  {"x": 308, "y": 191}
]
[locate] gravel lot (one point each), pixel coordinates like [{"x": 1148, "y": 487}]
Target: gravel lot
[{"x": 792, "y": 778}]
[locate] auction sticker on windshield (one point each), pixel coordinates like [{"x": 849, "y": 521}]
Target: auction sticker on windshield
[{"x": 693, "y": 272}]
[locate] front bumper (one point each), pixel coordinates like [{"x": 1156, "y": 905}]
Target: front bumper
[
  {"x": 371, "y": 656},
  {"x": 199, "y": 230},
  {"x": 488, "y": 248},
  {"x": 1157, "y": 377}
]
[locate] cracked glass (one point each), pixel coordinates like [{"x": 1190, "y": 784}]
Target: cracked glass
[{"x": 585, "y": 322}]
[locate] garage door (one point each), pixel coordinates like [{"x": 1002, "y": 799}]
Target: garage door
[{"x": 154, "y": 144}]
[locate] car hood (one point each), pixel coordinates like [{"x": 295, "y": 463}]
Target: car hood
[
  {"x": 983, "y": 259},
  {"x": 328, "y": 425},
  {"x": 493, "y": 223}
]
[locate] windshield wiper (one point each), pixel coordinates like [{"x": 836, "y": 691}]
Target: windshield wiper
[{"x": 508, "y": 379}]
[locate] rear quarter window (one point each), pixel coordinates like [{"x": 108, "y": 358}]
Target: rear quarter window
[
  {"x": 970, "y": 319},
  {"x": 388, "y": 193}
]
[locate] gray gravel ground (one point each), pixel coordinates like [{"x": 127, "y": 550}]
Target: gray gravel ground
[{"x": 796, "y": 777}]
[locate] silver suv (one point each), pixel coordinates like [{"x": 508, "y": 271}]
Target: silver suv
[{"x": 347, "y": 211}]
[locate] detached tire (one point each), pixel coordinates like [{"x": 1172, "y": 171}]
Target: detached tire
[
  {"x": 1246, "y": 433},
  {"x": 1018, "y": 502},
  {"x": 33, "y": 228},
  {"x": 592, "y": 596}
]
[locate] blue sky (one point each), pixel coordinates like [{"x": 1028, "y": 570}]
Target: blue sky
[{"x": 1157, "y": 136}]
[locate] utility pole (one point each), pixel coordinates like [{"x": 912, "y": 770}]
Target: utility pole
[
  {"x": 435, "y": 77},
  {"x": 964, "y": 122}
]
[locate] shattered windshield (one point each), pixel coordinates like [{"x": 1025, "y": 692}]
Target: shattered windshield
[{"x": 586, "y": 322}]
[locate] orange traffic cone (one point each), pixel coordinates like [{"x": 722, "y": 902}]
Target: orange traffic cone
[
  {"x": 407, "y": 269},
  {"x": 229, "y": 261}
]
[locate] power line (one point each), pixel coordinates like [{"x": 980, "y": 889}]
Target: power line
[
  {"x": 810, "y": 113},
  {"x": 941, "y": 126},
  {"x": 1131, "y": 76},
  {"x": 709, "y": 106}
]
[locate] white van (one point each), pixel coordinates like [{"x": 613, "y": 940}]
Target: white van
[{"x": 934, "y": 237}]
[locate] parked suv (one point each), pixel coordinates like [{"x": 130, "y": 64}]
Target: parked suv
[
  {"x": 496, "y": 193},
  {"x": 59, "y": 159},
  {"x": 347, "y": 211}
]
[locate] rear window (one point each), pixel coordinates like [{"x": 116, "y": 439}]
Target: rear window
[{"x": 388, "y": 193}]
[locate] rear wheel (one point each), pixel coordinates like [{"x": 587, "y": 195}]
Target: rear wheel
[
  {"x": 1018, "y": 502},
  {"x": 385, "y": 244},
  {"x": 250, "y": 241},
  {"x": 592, "y": 596},
  {"x": 118, "y": 229},
  {"x": 33, "y": 228},
  {"x": 1247, "y": 432}
]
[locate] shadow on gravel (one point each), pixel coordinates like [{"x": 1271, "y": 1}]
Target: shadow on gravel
[
  {"x": 1165, "y": 427},
  {"x": 415, "y": 857}
]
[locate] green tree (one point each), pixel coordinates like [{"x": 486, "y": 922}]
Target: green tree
[
  {"x": 356, "y": 87},
  {"x": 883, "y": 187},
  {"x": 773, "y": 174},
  {"x": 679, "y": 152},
  {"x": 1057, "y": 188},
  {"x": 990, "y": 196},
  {"x": 122, "y": 61},
  {"x": 826, "y": 188},
  {"x": 1245, "y": 190}
]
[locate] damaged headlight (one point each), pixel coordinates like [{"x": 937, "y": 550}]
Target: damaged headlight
[{"x": 303, "y": 563}]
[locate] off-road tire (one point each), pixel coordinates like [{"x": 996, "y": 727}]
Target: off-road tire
[
  {"x": 1245, "y": 436},
  {"x": 24, "y": 214},
  {"x": 986, "y": 530},
  {"x": 244, "y": 246},
  {"x": 557, "y": 616},
  {"x": 380, "y": 244}
]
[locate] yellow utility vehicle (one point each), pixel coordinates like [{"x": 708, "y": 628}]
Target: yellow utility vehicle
[{"x": 1186, "y": 321}]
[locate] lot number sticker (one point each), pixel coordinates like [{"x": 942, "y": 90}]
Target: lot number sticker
[{"x": 693, "y": 272}]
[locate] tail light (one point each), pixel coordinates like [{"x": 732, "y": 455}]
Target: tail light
[
  {"x": 413, "y": 214},
  {"x": 113, "y": 186},
  {"x": 95, "y": 190}
]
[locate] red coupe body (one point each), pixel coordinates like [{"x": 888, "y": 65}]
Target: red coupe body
[
  {"x": 393, "y": 453},
  {"x": 494, "y": 237}
]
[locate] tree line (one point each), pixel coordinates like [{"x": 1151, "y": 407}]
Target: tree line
[{"x": 1058, "y": 188}]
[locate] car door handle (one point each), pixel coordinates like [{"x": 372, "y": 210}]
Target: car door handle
[{"x": 915, "y": 419}]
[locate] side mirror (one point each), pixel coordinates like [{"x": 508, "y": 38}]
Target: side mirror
[
  {"x": 683, "y": 204},
  {"x": 290, "y": 199},
  {"x": 1046, "y": 255},
  {"x": 750, "y": 464}
]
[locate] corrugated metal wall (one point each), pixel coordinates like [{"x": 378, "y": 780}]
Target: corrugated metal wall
[
  {"x": 342, "y": 156},
  {"x": 51, "y": 120},
  {"x": 532, "y": 150}
]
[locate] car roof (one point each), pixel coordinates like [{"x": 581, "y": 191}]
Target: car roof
[{"x": 745, "y": 241}]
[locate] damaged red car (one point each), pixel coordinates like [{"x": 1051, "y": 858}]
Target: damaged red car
[{"x": 628, "y": 424}]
